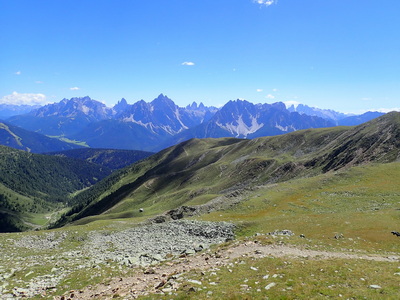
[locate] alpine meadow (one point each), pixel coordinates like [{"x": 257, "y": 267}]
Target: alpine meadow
[{"x": 245, "y": 149}]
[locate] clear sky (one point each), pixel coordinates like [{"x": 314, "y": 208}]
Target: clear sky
[{"x": 343, "y": 55}]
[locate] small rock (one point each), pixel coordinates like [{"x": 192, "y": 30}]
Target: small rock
[
  {"x": 161, "y": 284},
  {"x": 272, "y": 284},
  {"x": 189, "y": 251},
  {"x": 339, "y": 236},
  {"x": 150, "y": 271},
  {"x": 375, "y": 286},
  {"x": 195, "y": 281}
]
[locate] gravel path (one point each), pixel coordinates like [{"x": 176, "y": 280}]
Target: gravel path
[{"x": 166, "y": 278}]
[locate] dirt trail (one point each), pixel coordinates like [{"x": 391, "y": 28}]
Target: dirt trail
[{"x": 155, "y": 278}]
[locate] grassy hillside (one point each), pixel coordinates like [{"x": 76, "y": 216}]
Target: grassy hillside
[
  {"x": 38, "y": 184},
  {"x": 113, "y": 159},
  {"x": 197, "y": 171},
  {"x": 359, "y": 205}
]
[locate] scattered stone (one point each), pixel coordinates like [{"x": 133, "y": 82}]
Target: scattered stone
[
  {"x": 154, "y": 242},
  {"x": 150, "y": 271},
  {"x": 167, "y": 290},
  {"x": 195, "y": 281},
  {"x": 161, "y": 284},
  {"x": 272, "y": 284},
  {"x": 284, "y": 232},
  {"x": 198, "y": 248},
  {"x": 375, "y": 286}
]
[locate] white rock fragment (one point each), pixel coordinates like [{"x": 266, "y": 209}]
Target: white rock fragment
[
  {"x": 375, "y": 286},
  {"x": 195, "y": 281},
  {"x": 272, "y": 284}
]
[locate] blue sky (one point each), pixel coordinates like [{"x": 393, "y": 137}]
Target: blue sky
[{"x": 342, "y": 55}]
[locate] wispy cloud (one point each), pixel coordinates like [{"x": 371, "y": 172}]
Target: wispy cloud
[
  {"x": 38, "y": 82},
  {"x": 75, "y": 88},
  {"x": 24, "y": 99},
  {"x": 266, "y": 2},
  {"x": 188, "y": 63},
  {"x": 259, "y": 90},
  {"x": 269, "y": 96},
  {"x": 18, "y": 73}
]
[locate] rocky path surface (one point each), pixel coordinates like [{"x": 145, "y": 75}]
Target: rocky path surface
[{"x": 168, "y": 277}]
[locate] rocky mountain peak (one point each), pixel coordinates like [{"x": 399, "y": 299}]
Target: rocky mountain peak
[{"x": 121, "y": 106}]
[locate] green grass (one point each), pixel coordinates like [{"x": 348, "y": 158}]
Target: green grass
[
  {"x": 362, "y": 203},
  {"x": 67, "y": 140},
  {"x": 293, "y": 278}
]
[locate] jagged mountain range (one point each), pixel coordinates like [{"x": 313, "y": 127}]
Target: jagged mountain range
[{"x": 161, "y": 123}]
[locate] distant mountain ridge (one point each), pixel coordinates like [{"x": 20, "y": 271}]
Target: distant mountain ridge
[
  {"x": 152, "y": 126},
  {"x": 19, "y": 138},
  {"x": 337, "y": 118},
  {"x": 9, "y": 110}
]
